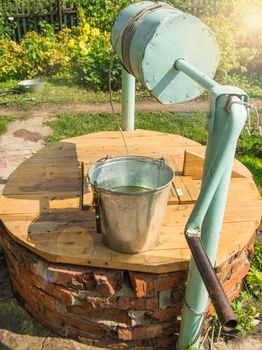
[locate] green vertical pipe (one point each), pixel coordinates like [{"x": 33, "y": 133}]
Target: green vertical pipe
[
  {"x": 128, "y": 101},
  {"x": 207, "y": 216}
]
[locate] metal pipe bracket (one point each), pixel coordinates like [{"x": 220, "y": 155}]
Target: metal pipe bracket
[{"x": 214, "y": 94}]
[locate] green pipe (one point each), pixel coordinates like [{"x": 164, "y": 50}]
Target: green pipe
[
  {"x": 195, "y": 74},
  {"x": 128, "y": 101},
  {"x": 207, "y": 216}
]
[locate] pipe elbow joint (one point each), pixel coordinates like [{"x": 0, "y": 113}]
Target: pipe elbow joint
[{"x": 192, "y": 231}]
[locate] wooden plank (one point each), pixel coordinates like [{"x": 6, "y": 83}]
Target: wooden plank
[
  {"x": 192, "y": 189},
  {"x": 173, "y": 163},
  {"x": 59, "y": 15},
  {"x": 194, "y": 163},
  {"x": 181, "y": 190},
  {"x": 173, "y": 197},
  {"x": 39, "y": 202},
  {"x": 87, "y": 195},
  {"x": 179, "y": 214},
  {"x": 51, "y": 12},
  {"x": 80, "y": 244},
  {"x": 22, "y": 11},
  {"x": 72, "y": 15},
  {"x": 41, "y": 185},
  {"x": 10, "y": 13},
  {"x": 28, "y": 12},
  {"x": 64, "y": 13},
  {"x": 47, "y": 223},
  {"x": 34, "y": 15}
]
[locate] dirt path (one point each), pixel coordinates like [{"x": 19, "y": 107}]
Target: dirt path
[
  {"x": 51, "y": 110},
  {"x": 22, "y": 139}
]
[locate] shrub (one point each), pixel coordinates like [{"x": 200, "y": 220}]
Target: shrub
[
  {"x": 84, "y": 51},
  {"x": 91, "y": 54},
  {"x": 36, "y": 55},
  {"x": 102, "y": 13},
  {"x": 12, "y": 63}
]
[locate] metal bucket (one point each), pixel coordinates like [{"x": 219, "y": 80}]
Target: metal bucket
[
  {"x": 32, "y": 86},
  {"x": 131, "y": 195}
]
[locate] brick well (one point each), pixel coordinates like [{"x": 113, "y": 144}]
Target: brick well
[{"x": 116, "y": 309}]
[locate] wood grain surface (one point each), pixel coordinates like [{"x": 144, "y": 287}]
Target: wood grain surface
[{"x": 41, "y": 204}]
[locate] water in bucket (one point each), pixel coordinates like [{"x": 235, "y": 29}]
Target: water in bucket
[{"x": 132, "y": 194}]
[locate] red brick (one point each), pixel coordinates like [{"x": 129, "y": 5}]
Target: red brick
[
  {"x": 148, "y": 331},
  {"x": 166, "y": 314},
  {"x": 227, "y": 271},
  {"x": 145, "y": 283},
  {"x": 124, "y": 303},
  {"x": 64, "y": 295},
  {"x": 149, "y": 303},
  {"x": 167, "y": 342},
  {"x": 62, "y": 330},
  {"x": 233, "y": 281},
  {"x": 98, "y": 302},
  {"x": 250, "y": 247},
  {"x": 232, "y": 286},
  {"x": 101, "y": 314},
  {"x": 108, "y": 281},
  {"x": 231, "y": 295},
  {"x": 11, "y": 260},
  {"x": 225, "y": 274},
  {"x": 115, "y": 344},
  {"x": 70, "y": 276},
  {"x": 239, "y": 265},
  {"x": 251, "y": 251},
  {"x": 105, "y": 343},
  {"x": 177, "y": 295},
  {"x": 43, "y": 298},
  {"x": 25, "y": 258},
  {"x": 25, "y": 295},
  {"x": 62, "y": 319}
]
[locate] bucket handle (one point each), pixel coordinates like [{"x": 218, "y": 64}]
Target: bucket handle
[
  {"x": 96, "y": 204},
  {"x": 104, "y": 158}
]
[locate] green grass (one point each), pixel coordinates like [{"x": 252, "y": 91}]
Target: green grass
[
  {"x": 53, "y": 93},
  {"x": 66, "y": 91},
  {"x": 58, "y": 92},
  {"x": 255, "y": 166},
  {"x": 250, "y": 154},
  {"x": 4, "y": 121},
  {"x": 190, "y": 125},
  {"x": 252, "y": 85}
]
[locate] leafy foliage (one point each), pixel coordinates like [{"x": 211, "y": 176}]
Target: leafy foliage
[
  {"x": 254, "y": 277},
  {"x": 4, "y": 121},
  {"x": 246, "y": 312},
  {"x": 248, "y": 305},
  {"x": 102, "y": 13},
  {"x": 249, "y": 152},
  {"x": 84, "y": 52}
]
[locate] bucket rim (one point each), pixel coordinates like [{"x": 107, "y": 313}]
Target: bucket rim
[{"x": 135, "y": 157}]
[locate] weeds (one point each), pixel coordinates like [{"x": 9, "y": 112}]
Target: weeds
[{"x": 4, "y": 121}]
